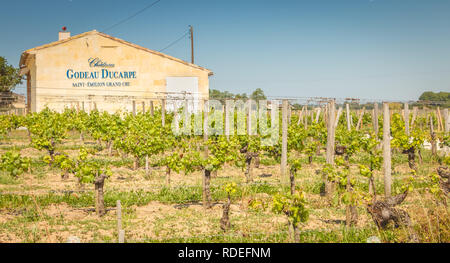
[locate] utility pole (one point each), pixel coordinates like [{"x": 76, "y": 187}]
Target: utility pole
[{"x": 191, "y": 30}]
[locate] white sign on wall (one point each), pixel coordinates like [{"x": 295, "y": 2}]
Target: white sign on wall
[{"x": 178, "y": 88}]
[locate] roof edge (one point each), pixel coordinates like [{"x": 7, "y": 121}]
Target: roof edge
[{"x": 95, "y": 32}]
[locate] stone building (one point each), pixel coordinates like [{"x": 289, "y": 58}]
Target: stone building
[{"x": 95, "y": 70}]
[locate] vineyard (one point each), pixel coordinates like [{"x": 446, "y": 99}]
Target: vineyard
[{"x": 331, "y": 174}]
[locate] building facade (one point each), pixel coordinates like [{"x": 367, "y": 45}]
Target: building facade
[{"x": 95, "y": 70}]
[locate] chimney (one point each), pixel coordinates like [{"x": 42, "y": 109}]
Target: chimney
[{"x": 64, "y": 34}]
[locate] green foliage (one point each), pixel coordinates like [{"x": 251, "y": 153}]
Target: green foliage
[
  {"x": 221, "y": 151},
  {"x": 144, "y": 135},
  {"x": 103, "y": 126},
  {"x": 63, "y": 162},
  {"x": 5, "y": 124},
  {"x": 258, "y": 94},
  {"x": 400, "y": 139},
  {"x": 48, "y": 128},
  {"x": 10, "y": 122},
  {"x": 439, "y": 96},
  {"x": 173, "y": 162},
  {"x": 297, "y": 137},
  {"x": 329, "y": 171},
  {"x": 77, "y": 120},
  {"x": 88, "y": 169},
  {"x": 293, "y": 206},
  {"x": 9, "y": 76},
  {"x": 446, "y": 160},
  {"x": 219, "y": 95},
  {"x": 295, "y": 165},
  {"x": 257, "y": 204},
  {"x": 351, "y": 140},
  {"x": 14, "y": 164},
  {"x": 445, "y": 140},
  {"x": 230, "y": 188},
  {"x": 373, "y": 160}
]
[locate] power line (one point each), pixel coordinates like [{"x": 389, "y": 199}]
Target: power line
[
  {"x": 176, "y": 41},
  {"x": 130, "y": 17}
]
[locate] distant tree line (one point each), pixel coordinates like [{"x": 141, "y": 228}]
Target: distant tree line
[
  {"x": 442, "y": 96},
  {"x": 258, "y": 94}
]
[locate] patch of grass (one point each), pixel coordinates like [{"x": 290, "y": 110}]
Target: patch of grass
[
  {"x": 180, "y": 195},
  {"x": 8, "y": 180},
  {"x": 279, "y": 237},
  {"x": 268, "y": 161},
  {"x": 30, "y": 215}
]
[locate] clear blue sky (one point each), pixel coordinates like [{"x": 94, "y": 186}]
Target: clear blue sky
[{"x": 379, "y": 49}]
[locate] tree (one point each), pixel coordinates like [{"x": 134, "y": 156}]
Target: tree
[
  {"x": 242, "y": 96},
  {"x": 438, "y": 96},
  {"x": 9, "y": 76},
  {"x": 258, "y": 94},
  {"x": 219, "y": 95}
]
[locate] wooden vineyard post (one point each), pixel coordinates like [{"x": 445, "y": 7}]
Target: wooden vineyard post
[
  {"x": 289, "y": 114},
  {"x": 415, "y": 109},
  {"x": 433, "y": 137},
  {"x": 249, "y": 117},
  {"x": 205, "y": 120},
  {"x": 82, "y": 106},
  {"x": 439, "y": 117},
  {"x": 187, "y": 118},
  {"x": 120, "y": 231},
  {"x": 360, "y": 119},
  {"x": 227, "y": 119},
  {"x": 375, "y": 118},
  {"x": 330, "y": 142},
  {"x": 163, "y": 112},
  {"x": 152, "y": 110},
  {"x": 300, "y": 116},
  {"x": 284, "y": 139},
  {"x": 347, "y": 107},
  {"x": 146, "y": 164},
  {"x": 176, "y": 117},
  {"x": 338, "y": 116},
  {"x": 387, "y": 150},
  {"x": 317, "y": 115},
  {"x": 119, "y": 215},
  {"x": 446, "y": 120},
  {"x": 134, "y": 107},
  {"x": 122, "y": 236},
  {"x": 306, "y": 117},
  {"x": 407, "y": 119},
  {"x": 143, "y": 107},
  {"x": 207, "y": 173},
  {"x": 351, "y": 119}
]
